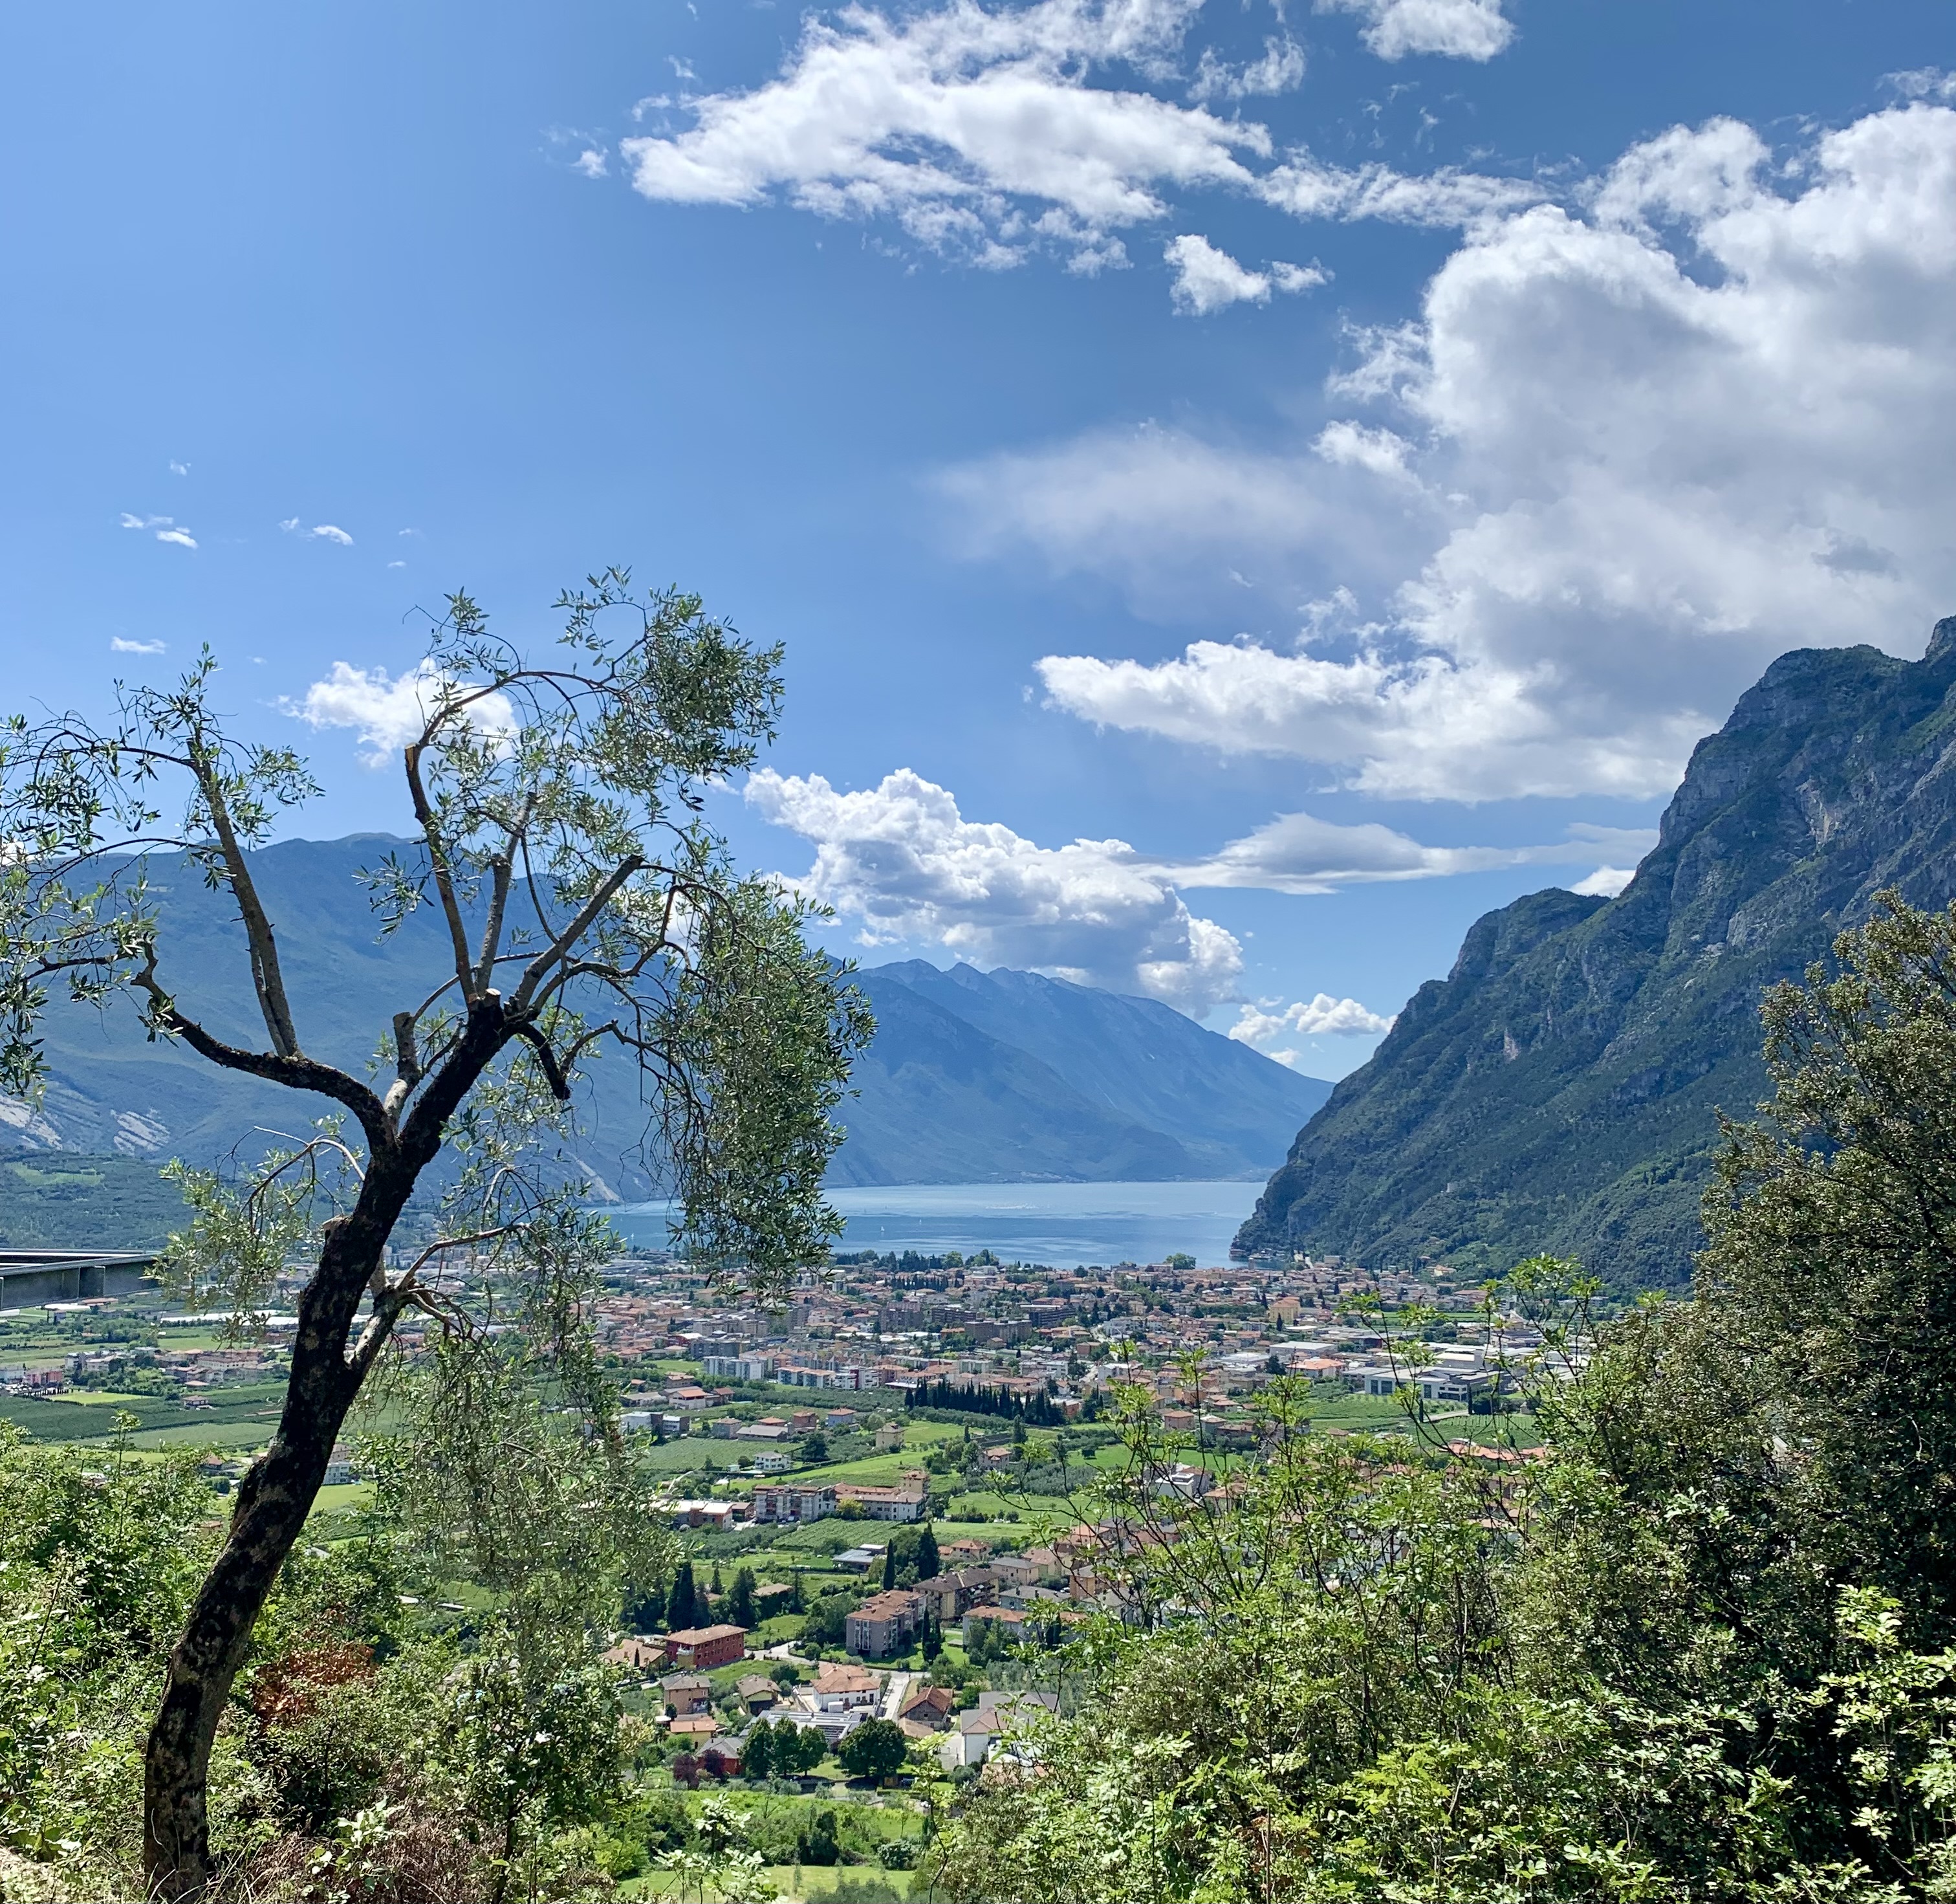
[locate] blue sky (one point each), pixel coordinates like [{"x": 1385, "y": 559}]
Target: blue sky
[{"x": 1244, "y": 492}]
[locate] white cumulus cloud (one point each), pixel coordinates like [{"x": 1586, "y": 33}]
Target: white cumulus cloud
[
  {"x": 1207, "y": 279},
  {"x": 980, "y": 132},
  {"x": 1606, "y": 882},
  {"x": 387, "y": 713},
  {"x": 902, "y": 858},
  {"x": 1458, "y": 28},
  {"x": 1271, "y": 1031},
  {"x": 1630, "y": 448}
]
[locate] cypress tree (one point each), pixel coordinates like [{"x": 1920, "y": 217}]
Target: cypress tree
[{"x": 682, "y": 1604}]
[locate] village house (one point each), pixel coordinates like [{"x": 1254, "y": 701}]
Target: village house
[
  {"x": 721, "y": 1756},
  {"x": 949, "y": 1597},
  {"x": 1038, "y": 1566},
  {"x": 636, "y": 1655},
  {"x": 970, "y": 1741},
  {"x": 905, "y": 1502},
  {"x": 704, "y": 1647},
  {"x": 884, "y": 1624},
  {"x": 927, "y": 1711},
  {"x": 1010, "y": 1618},
  {"x": 684, "y": 1693},
  {"x": 791, "y": 1501},
  {"x": 841, "y": 1688}
]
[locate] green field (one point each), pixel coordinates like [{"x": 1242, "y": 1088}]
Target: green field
[{"x": 238, "y": 1417}]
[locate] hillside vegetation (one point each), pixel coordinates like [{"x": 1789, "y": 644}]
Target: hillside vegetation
[
  {"x": 1560, "y": 1088},
  {"x": 1689, "y": 1640}
]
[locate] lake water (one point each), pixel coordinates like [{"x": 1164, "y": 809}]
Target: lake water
[{"x": 1059, "y": 1223}]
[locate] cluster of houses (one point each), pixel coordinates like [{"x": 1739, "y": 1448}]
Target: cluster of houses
[{"x": 841, "y": 1696}]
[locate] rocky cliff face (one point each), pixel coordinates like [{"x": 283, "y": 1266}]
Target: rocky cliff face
[{"x": 1558, "y": 1090}]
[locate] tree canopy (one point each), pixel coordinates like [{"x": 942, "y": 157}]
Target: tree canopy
[{"x": 558, "y": 838}]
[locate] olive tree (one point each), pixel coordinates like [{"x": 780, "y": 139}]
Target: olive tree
[{"x": 558, "y": 837}]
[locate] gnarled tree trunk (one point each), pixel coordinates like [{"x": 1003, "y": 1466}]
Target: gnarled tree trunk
[{"x": 273, "y": 1500}]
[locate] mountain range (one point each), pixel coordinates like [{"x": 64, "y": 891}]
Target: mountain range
[
  {"x": 1559, "y": 1090},
  {"x": 973, "y": 1077}
]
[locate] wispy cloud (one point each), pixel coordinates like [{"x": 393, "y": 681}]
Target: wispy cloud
[
  {"x": 179, "y": 468},
  {"x": 166, "y": 528},
  {"x": 320, "y": 533},
  {"x": 1281, "y": 69},
  {"x": 591, "y": 162},
  {"x": 119, "y": 645},
  {"x": 1297, "y": 853}
]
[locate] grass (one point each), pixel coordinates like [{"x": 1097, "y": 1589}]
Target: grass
[
  {"x": 226, "y": 1437},
  {"x": 342, "y": 1497}
]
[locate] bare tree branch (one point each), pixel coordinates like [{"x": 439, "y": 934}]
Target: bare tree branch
[{"x": 297, "y": 1073}]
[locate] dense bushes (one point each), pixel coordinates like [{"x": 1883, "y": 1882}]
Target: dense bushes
[{"x": 1697, "y": 1646}]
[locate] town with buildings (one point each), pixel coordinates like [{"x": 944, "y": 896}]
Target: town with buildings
[{"x": 884, "y": 1489}]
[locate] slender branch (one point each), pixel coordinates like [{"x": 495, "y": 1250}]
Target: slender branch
[
  {"x": 266, "y": 978},
  {"x": 492, "y": 926},
  {"x": 444, "y": 884},
  {"x": 539, "y": 967},
  {"x": 552, "y": 1072}
]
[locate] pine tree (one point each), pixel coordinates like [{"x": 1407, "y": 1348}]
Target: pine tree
[{"x": 928, "y": 1563}]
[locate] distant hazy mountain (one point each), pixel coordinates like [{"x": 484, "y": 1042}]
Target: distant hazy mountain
[
  {"x": 1558, "y": 1090},
  {"x": 973, "y": 1077},
  {"x": 1009, "y": 1077}
]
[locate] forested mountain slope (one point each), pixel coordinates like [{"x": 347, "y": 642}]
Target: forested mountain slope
[
  {"x": 973, "y": 1077},
  {"x": 1558, "y": 1090},
  {"x": 977, "y": 1077}
]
